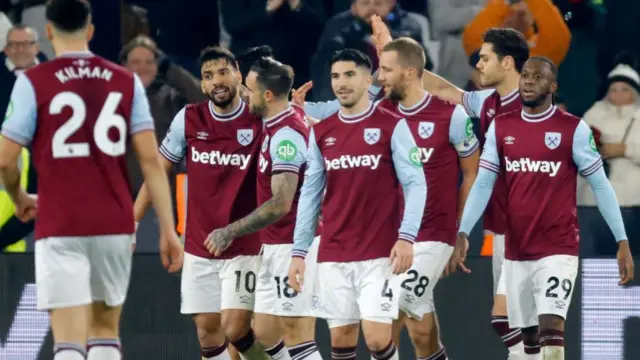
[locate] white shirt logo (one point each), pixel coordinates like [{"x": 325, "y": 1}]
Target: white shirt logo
[
  {"x": 552, "y": 140},
  {"x": 350, "y": 162},
  {"x": 371, "y": 136},
  {"x": 425, "y": 129},
  {"x": 536, "y": 166},
  {"x": 244, "y": 136},
  {"x": 330, "y": 141},
  {"x": 201, "y": 135},
  {"x": 509, "y": 140},
  {"x": 218, "y": 158}
]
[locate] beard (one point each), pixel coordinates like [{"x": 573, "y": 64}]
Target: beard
[
  {"x": 396, "y": 94},
  {"x": 258, "y": 109},
  {"x": 224, "y": 102},
  {"x": 534, "y": 102}
]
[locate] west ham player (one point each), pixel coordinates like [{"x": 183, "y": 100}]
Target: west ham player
[
  {"x": 502, "y": 55},
  {"x": 362, "y": 156},
  {"x": 279, "y": 309},
  {"x": 444, "y": 135},
  {"x": 540, "y": 151},
  {"x": 220, "y": 139},
  {"x": 77, "y": 113}
]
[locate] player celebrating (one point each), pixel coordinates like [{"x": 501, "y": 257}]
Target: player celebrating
[
  {"x": 502, "y": 56},
  {"x": 444, "y": 134},
  {"x": 282, "y": 164},
  {"x": 219, "y": 139},
  {"x": 360, "y": 155},
  {"x": 540, "y": 151},
  {"x": 78, "y": 113}
]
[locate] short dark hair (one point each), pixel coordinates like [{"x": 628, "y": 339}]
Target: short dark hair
[
  {"x": 213, "y": 53},
  {"x": 546, "y": 60},
  {"x": 249, "y": 57},
  {"x": 274, "y": 76},
  {"x": 508, "y": 42},
  {"x": 410, "y": 53},
  {"x": 142, "y": 41},
  {"x": 68, "y": 15},
  {"x": 352, "y": 55}
]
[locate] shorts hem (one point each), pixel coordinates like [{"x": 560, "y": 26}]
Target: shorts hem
[{"x": 60, "y": 305}]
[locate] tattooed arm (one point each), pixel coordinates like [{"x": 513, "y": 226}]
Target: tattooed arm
[
  {"x": 283, "y": 188},
  {"x": 287, "y": 148}
]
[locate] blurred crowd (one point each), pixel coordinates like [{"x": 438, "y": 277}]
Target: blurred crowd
[{"x": 592, "y": 41}]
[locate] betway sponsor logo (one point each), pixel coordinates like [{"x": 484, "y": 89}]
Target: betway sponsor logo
[
  {"x": 350, "y": 162},
  {"x": 528, "y": 165},
  {"x": 218, "y": 158},
  {"x": 263, "y": 164},
  {"x": 425, "y": 154}
]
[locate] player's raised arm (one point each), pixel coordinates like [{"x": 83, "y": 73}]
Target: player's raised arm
[
  {"x": 589, "y": 163},
  {"x": 406, "y": 161},
  {"x": 464, "y": 140},
  {"x": 171, "y": 152},
  {"x": 308, "y": 212},
  {"x": 288, "y": 151},
  {"x": 321, "y": 110},
  {"x": 146, "y": 148},
  {"x": 17, "y": 131}
]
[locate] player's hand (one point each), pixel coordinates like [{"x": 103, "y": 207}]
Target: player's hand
[
  {"x": 625, "y": 263},
  {"x": 171, "y": 252},
  {"x": 459, "y": 256},
  {"x": 273, "y": 5},
  {"x": 298, "y": 95},
  {"x": 218, "y": 241},
  {"x": 401, "y": 256},
  {"x": 381, "y": 34},
  {"x": 296, "y": 273},
  {"x": 26, "y": 206}
]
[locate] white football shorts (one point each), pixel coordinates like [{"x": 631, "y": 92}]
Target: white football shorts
[
  {"x": 416, "y": 288},
  {"x": 274, "y": 296},
  {"x": 352, "y": 291},
  {"x": 79, "y": 270},
  {"x": 538, "y": 287},
  {"x": 213, "y": 285}
]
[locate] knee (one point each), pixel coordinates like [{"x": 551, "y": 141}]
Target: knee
[
  {"x": 345, "y": 336},
  {"x": 421, "y": 334},
  {"x": 551, "y": 330},
  {"x": 298, "y": 330},
  {"x": 377, "y": 342},
  {"x": 208, "y": 329},
  {"x": 236, "y": 326},
  {"x": 551, "y": 322}
]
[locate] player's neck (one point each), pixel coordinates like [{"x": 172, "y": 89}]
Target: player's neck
[
  {"x": 229, "y": 108},
  {"x": 509, "y": 85},
  {"x": 70, "y": 46},
  {"x": 276, "y": 108},
  {"x": 359, "y": 107},
  {"x": 536, "y": 110},
  {"x": 414, "y": 95}
]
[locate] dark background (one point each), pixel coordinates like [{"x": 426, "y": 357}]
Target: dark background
[{"x": 152, "y": 327}]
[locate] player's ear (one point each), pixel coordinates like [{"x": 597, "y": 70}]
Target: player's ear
[
  {"x": 554, "y": 87},
  {"x": 202, "y": 88},
  {"x": 90, "y": 30},
  {"x": 49, "y": 31},
  {"x": 369, "y": 80}
]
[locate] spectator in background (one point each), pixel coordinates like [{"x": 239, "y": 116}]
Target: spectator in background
[
  {"x": 449, "y": 18},
  {"x": 352, "y": 29},
  {"x": 290, "y": 27},
  {"x": 182, "y": 28},
  {"x": 169, "y": 88},
  {"x": 20, "y": 53},
  {"x": 5, "y": 26},
  {"x": 550, "y": 37},
  {"x": 617, "y": 120}
]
